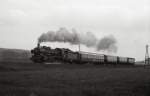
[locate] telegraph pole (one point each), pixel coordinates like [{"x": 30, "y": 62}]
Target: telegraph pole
[
  {"x": 79, "y": 47},
  {"x": 147, "y": 59},
  {"x": 147, "y": 56}
]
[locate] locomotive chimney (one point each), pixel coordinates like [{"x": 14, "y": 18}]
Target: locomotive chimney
[{"x": 38, "y": 45}]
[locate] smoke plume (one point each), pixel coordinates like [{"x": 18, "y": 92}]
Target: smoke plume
[
  {"x": 63, "y": 35},
  {"x": 73, "y": 37},
  {"x": 107, "y": 43}
]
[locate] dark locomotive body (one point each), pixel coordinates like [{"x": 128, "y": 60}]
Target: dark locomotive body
[{"x": 43, "y": 54}]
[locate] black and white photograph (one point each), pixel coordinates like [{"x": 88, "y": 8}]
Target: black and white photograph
[{"x": 74, "y": 48}]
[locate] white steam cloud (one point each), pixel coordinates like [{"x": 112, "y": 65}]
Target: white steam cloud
[{"x": 73, "y": 37}]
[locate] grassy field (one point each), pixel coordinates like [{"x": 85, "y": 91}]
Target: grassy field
[{"x": 28, "y": 79}]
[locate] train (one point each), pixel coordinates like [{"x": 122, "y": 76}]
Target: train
[{"x": 42, "y": 54}]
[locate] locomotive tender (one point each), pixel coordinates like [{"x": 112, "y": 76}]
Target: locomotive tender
[{"x": 43, "y": 54}]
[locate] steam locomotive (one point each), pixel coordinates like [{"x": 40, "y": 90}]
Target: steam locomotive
[{"x": 42, "y": 54}]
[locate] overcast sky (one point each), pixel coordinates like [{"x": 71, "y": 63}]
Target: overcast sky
[{"x": 23, "y": 21}]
